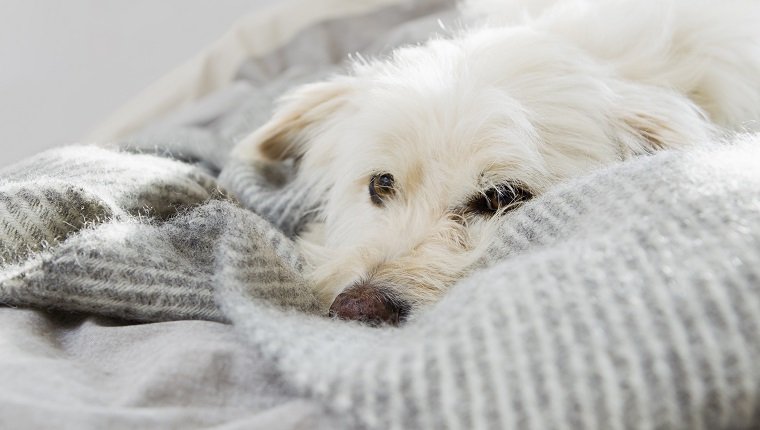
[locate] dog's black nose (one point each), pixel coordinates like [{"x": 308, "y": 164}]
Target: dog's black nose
[{"x": 368, "y": 304}]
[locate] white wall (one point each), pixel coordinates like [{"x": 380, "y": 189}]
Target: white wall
[{"x": 67, "y": 64}]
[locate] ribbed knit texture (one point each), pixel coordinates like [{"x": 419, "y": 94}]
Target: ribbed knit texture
[{"x": 628, "y": 299}]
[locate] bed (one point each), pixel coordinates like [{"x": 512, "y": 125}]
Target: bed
[{"x": 150, "y": 281}]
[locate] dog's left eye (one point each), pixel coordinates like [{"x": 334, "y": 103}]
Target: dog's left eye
[
  {"x": 501, "y": 198},
  {"x": 381, "y": 188}
]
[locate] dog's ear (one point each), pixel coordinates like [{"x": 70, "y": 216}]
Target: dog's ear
[
  {"x": 660, "y": 119},
  {"x": 297, "y": 119}
]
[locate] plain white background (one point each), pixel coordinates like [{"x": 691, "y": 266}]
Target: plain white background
[{"x": 65, "y": 65}]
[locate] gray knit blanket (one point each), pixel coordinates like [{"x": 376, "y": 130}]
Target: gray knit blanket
[{"x": 626, "y": 299}]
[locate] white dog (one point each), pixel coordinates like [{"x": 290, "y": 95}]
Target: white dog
[{"x": 422, "y": 152}]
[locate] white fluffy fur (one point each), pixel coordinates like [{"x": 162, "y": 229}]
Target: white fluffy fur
[{"x": 535, "y": 91}]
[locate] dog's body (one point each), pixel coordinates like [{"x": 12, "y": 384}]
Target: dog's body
[{"x": 422, "y": 152}]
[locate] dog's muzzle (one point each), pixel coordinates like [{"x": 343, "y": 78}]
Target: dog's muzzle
[{"x": 370, "y": 304}]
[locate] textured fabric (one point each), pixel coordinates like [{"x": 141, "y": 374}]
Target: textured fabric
[
  {"x": 81, "y": 372},
  {"x": 629, "y": 299},
  {"x": 134, "y": 236}
]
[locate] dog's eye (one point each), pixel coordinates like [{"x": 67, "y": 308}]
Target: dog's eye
[
  {"x": 381, "y": 188},
  {"x": 499, "y": 199}
]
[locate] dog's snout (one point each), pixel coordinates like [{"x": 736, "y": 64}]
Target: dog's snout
[{"x": 369, "y": 304}]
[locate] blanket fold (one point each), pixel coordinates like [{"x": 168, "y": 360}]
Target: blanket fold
[{"x": 134, "y": 236}]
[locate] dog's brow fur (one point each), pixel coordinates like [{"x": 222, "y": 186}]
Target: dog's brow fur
[{"x": 414, "y": 177}]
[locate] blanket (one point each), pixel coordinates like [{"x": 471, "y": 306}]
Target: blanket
[{"x": 626, "y": 299}]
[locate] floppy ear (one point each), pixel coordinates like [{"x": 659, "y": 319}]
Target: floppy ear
[
  {"x": 657, "y": 119},
  {"x": 295, "y": 122}
]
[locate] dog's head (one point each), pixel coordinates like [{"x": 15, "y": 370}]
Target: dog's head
[{"x": 423, "y": 153}]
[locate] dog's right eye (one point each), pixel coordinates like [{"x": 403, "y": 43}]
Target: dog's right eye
[
  {"x": 499, "y": 199},
  {"x": 381, "y": 188}
]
